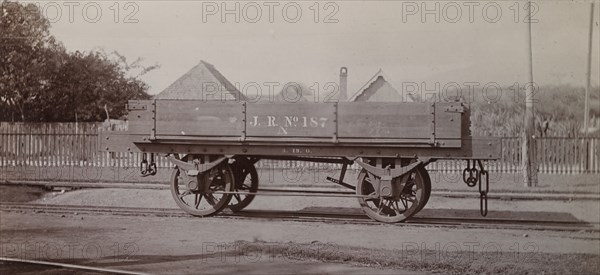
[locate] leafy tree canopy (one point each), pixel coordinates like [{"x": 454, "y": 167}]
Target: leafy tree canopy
[{"x": 41, "y": 81}]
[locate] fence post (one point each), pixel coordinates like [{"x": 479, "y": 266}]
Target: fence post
[{"x": 589, "y": 164}]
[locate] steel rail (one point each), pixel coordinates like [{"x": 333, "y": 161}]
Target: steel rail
[
  {"x": 311, "y": 216},
  {"x": 502, "y": 194},
  {"x": 71, "y": 266},
  {"x": 308, "y": 191},
  {"x": 293, "y": 194}
]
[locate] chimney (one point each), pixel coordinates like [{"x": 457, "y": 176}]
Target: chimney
[{"x": 343, "y": 84}]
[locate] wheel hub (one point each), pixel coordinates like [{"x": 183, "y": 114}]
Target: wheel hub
[{"x": 192, "y": 184}]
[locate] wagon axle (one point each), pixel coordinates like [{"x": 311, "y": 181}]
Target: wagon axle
[{"x": 220, "y": 142}]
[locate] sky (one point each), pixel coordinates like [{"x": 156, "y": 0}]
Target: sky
[{"x": 308, "y": 41}]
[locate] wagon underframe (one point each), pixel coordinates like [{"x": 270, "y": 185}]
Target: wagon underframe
[
  {"x": 471, "y": 148},
  {"x": 214, "y": 146}
]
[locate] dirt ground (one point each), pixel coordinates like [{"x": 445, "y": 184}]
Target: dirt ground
[
  {"x": 267, "y": 246},
  {"x": 217, "y": 246},
  {"x": 575, "y": 210}
]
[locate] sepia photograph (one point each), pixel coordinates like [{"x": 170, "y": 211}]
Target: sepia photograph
[{"x": 299, "y": 137}]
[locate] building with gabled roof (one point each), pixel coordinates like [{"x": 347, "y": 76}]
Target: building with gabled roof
[
  {"x": 202, "y": 82},
  {"x": 379, "y": 89},
  {"x": 291, "y": 92}
]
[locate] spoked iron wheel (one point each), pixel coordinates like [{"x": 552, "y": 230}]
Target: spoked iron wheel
[
  {"x": 389, "y": 209},
  {"x": 427, "y": 182},
  {"x": 205, "y": 202},
  {"x": 246, "y": 180}
]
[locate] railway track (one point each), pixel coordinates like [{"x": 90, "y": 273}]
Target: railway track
[
  {"x": 309, "y": 216},
  {"x": 66, "y": 268}
]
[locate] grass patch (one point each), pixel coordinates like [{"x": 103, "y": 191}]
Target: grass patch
[{"x": 446, "y": 261}]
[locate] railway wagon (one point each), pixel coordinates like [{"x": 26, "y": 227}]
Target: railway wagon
[{"x": 215, "y": 145}]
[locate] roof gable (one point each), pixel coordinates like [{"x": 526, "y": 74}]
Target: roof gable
[
  {"x": 203, "y": 82},
  {"x": 294, "y": 92},
  {"x": 290, "y": 92},
  {"x": 379, "y": 89}
]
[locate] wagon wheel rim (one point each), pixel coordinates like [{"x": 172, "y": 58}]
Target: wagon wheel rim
[
  {"x": 246, "y": 180},
  {"x": 199, "y": 203},
  {"x": 388, "y": 209}
]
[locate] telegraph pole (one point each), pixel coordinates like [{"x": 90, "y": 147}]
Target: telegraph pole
[
  {"x": 528, "y": 150},
  {"x": 586, "y": 109}
]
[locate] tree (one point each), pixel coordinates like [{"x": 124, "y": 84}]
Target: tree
[
  {"x": 41, "y": 81},
  {"x": 26, "y": 58},
  {"x": 84, "y": 84}
]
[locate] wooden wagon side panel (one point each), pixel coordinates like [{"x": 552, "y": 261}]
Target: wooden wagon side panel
[
  {"x": 141, "y": 116},
  {"x": 376, "y": 120},
  {"x": 302, "y": 120},
  {"x": 448, "y": 117},
  {"x": 404, "y": 124},
  {"x": 199, "y": 118}
]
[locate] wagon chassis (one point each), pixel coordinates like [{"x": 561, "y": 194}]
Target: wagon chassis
[{"x": 214, "y": 152}]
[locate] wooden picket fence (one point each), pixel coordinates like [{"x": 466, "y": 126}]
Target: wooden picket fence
[
  {"x": 60, "y": 144},
  {"x": 555, "y": 155},
  {"x": 70, "y": 144}
]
